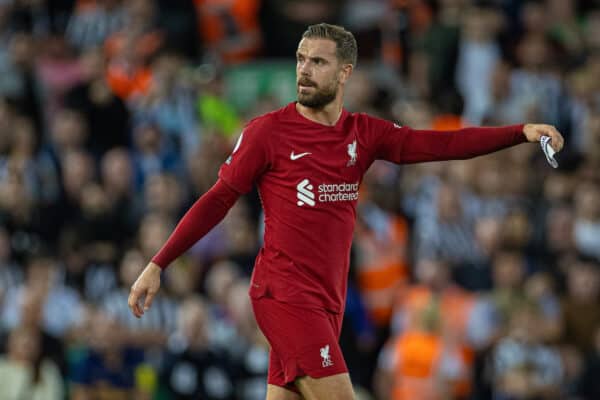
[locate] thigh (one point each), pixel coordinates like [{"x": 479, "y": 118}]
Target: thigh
[
  {"x": 276, "y": 375},
  {"x": 279, "y": 393},
  {"x": 335, "y": 387},
  {"x": 304, "y": 340}
]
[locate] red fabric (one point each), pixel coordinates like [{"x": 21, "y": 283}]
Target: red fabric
[
  {"x": 303, "y": 341},
  {"x": 206, "y": 212},
  {"x": 405, "y": 145},
  {"x": 309, "y": 200}
]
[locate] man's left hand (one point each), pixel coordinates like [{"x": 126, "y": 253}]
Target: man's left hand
[{"x": 534, "y": 132}]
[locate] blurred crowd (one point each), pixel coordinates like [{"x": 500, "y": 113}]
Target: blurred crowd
[{"x": 475, "y": 279}]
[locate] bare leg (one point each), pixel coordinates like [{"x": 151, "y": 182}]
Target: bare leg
[
  {"x": 279, "y": 393},
  {"x": 335, "y": 387}
]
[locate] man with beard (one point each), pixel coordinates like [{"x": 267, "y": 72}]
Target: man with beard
[{"x": 308, "y": 159}]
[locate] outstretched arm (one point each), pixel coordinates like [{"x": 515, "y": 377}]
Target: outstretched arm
[
  {"x": 206, "y": 212},
  {"x": 406, "y": 145}
]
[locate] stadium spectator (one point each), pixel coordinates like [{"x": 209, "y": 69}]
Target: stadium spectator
[
  {"x": 581, "y": 314},
  {"x": 54, "y": 307},
  {"x": 106, "y": 115},
  {"x": 523, "y": 365},
  {"x": 169, "y": 104},
  {"x": 106, "y": 366},
  {"x": 195, "y": 368},
  {"x": 92, "y": 21},
  {"x": 230, "y": 31},
  {"x": 250, "y": 351},
  {"x": 24, "y": 373}
]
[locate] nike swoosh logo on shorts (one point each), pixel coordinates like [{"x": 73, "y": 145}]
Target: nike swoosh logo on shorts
[{"x": 294, "y": 157}]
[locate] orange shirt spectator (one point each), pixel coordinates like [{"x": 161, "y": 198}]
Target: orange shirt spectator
[
  {"x": 451, "y": 310},
  {"x": 129, "y": 51},
  {"x": 230, "y": 28},
  {"x": 382, "y": 267},
  {"x": 427, "y": 368}
]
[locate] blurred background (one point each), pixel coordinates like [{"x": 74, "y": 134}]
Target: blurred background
[{"x": 473, "y": 279}]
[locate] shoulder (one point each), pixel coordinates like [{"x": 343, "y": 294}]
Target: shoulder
[
  {"x": 371, "y": 129},
  {"x": 384, "y": 123},
  {"x": 263, "y": 124},
  {"x": 263, "y": 131},
  {"x": 371, "y": 123}
]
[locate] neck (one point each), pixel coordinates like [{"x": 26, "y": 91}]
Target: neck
[{"x": 328, "y": 115}]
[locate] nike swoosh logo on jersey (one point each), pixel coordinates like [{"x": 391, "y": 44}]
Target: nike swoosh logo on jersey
[{"x": 294, "y": 157}]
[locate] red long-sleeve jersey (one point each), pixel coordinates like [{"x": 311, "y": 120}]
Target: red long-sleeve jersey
[{"x": 308, "y": 176}]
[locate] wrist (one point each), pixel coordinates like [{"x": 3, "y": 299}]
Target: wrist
[
  {"x": 523, "y": 130},
  {"x": 154, "y": 267}
]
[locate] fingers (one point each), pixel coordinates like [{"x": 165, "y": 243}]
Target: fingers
[
  {"x": 558, "y": 141},
  {"x": 133, "y": 302},
  {"x": 149, "y": 298},
  {"x": 144, "y": 289}
]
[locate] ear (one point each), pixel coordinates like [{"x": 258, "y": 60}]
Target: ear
[{"x": 345, "y": 72}]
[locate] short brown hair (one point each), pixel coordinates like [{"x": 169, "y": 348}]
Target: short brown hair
[{"x": 346, "y": 48}]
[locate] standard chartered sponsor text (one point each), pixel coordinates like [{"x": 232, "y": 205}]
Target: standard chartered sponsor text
[{"x": 330, "y": 192}]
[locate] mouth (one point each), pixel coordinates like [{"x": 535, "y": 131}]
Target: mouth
[
  {"x": 303, "y": 85},
  {"x": 304, "y": 89}
]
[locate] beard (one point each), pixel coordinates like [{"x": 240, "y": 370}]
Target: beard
[{"x": 320, "y": 97}]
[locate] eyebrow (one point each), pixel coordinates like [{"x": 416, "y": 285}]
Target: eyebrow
[{"x": 298, "y": 54}]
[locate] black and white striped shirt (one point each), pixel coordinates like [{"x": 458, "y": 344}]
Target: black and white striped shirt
[
  {"x": 162, "y": 316},
  {"x": 90, "y": 28}
]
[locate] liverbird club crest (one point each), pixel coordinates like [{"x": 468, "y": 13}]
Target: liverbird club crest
[
  {"x": 352, "y": 154},
  {"x": 326, "y": 357}
]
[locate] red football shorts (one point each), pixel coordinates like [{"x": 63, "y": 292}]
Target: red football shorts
[{"x": 304, "y": 341}]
